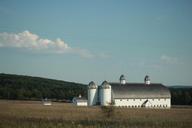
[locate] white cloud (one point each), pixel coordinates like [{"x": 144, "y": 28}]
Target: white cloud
[
  {"x": 28, "y": 40},
  {"x": 168, "y": 59}
]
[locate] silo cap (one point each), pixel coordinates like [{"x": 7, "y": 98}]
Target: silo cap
[
  {"x": 105, "y": 82},
  {"x": 92, "y": 83}
]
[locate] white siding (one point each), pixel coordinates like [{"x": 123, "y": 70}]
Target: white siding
[
  {"x": 81, "y": 103},
  {"x": 92, "y": 96},
  {"x": 105, "y": 96},
  {"x": 149, "y": 103}
]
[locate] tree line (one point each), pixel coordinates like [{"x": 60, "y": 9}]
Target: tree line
[
  {"x": 35, "y": 88},
  {"x": 181, "y": 95}
]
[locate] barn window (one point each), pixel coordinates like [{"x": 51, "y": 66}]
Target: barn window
[
  {"x": 120, "y": 99},
  {"x": 140, "y": 99},
  {"x": 164, "y": 99},
  {"x": 127, "y": 99},
  {"x": 133, "y": 99}
]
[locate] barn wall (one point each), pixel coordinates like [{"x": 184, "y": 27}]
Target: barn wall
[
  {"x": 81, "y": 103},
  {"x": 151, "y": 103}
]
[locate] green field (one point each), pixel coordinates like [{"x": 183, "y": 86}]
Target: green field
[{"x": 32, "y": 114}]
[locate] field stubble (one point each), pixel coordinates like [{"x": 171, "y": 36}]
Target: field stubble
[{"x": 32, "y": 114}]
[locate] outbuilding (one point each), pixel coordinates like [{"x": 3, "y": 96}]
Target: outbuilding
[{"x": 80, "y": 101}]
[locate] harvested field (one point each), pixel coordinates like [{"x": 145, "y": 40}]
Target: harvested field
[{"x": 32, "y": 114}]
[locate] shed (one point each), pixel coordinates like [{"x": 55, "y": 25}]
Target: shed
[{"x": 80, "y": 101}]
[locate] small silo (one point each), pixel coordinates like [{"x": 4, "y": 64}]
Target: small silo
[
  {"x": 105, "y": 94},
  {"x": 92, "y": 94}
]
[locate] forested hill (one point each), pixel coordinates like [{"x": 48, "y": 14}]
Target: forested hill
[
  {"x": 181, "y": 95},
  {"x": 36, "y": 88}
]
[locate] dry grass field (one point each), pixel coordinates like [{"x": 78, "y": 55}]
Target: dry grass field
[{"x": 32, "y": 114}]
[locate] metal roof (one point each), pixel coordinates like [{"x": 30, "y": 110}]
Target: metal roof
[
  {"x": 105, "y": 84},
  {"x": 139, "y": 90},
  {"x": 92, "y": 85},
  {"x": 78, "y": 99}
]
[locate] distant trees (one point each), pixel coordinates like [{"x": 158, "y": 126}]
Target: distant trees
[
  {"x": 35, "y": 88},
  {"x": 181, "y": 96}
]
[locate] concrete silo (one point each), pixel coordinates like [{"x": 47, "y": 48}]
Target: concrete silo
[
  {"x": 105, "y": 94},
  {"x": 92, "y": 94}
]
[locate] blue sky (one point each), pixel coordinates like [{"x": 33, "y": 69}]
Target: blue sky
[{"x": 84, "y": 40}]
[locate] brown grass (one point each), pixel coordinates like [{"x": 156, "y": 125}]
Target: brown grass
[{"x": 34, "y": 114}]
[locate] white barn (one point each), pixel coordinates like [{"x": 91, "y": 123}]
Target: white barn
[
  {"x": 46, "y": 102},
  {"x": 132, "y": 95},
  {"x": 80, "y": 101}
]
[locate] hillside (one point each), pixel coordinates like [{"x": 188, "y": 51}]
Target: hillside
[
  {"x": 35, "y": 88},
  {"x": 181, "y": 95}
]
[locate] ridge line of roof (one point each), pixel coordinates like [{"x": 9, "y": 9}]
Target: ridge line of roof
[{"x": 131, "y": 83}]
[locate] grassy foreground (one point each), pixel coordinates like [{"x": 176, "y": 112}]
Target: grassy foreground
[{"x": 32, "y": 114}]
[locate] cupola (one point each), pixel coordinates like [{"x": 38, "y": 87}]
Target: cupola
[
  {"x": 122, "y": 80},
  {"x": 147, "y": 80}
]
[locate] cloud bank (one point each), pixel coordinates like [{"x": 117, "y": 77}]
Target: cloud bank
[{"x": 30, "y": 41}]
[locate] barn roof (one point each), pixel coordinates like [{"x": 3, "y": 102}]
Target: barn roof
[
  {"x": 80, "y": 99},
  {"x": 139, "y": 90}
]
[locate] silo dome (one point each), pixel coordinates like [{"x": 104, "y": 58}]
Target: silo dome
[
  {"x": 105, "y": 84},
  {"x": 105, "y": 94},
  {"x": 92, "y": 94},
  {"x": 122, "y": 79},
  {"x": 92, "y": 85}
]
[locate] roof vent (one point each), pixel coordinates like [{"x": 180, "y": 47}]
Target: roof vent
[
  {"x": 122, "y": 80},
  {"x": 147, "y": 80}
]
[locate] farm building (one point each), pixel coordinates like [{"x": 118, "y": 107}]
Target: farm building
[
  {"x": 46, "y": 102},
  {"x": 133, "y": 95},
  {"x": 80, "y": 101}
]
